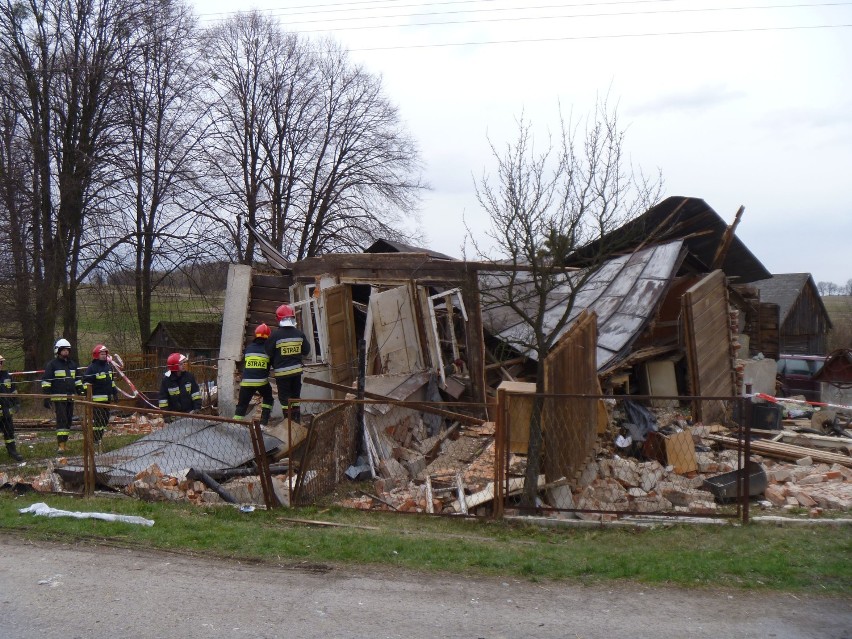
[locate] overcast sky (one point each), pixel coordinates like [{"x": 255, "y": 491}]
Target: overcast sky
[{"x": 738, "y": 102}]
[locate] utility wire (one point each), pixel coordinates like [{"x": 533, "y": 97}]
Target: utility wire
[
  {"x": 604, "y": 37},
  {"x": 551, "y": 17},
  {"x": 417, "y": 5}
]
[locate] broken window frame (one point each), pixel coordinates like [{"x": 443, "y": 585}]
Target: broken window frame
[
  {"x": 447, "y": 296},
  {"x": 313, "y": 323}
]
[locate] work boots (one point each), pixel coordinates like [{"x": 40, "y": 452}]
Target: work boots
[
  {"x": 60, "y": 448},
  {"x": 264, "y": 416},
  {"x": 13, "y": 452}
]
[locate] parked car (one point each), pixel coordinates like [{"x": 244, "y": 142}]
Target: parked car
[{"x": 795, "y": 376}]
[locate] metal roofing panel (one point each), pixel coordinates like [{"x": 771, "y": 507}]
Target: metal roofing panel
[
  {"x": 625, "y": 293},
  {"x": 185, "y": 443}
]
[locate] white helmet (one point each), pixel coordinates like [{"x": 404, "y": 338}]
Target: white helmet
[{"x": 61, "y": 343}]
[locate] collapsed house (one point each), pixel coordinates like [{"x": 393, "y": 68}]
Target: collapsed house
[{"x": 425, "y": 338}]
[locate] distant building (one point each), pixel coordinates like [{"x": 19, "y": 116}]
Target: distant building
[
  {"x": 803, "y": 320},
  {"x": 196, "y": 340}
]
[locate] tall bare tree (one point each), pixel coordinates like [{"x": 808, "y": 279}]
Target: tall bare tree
[
  {"x": 305, "y": 143},
  {"x": 550, "y": 208},
  {"x": 161, "y": 108},
  {"x": 64, "y": 59}
]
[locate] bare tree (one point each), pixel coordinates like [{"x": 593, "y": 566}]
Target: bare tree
[
  {"x": 304, "y": 144},
  {"x": 549, "y": 208},
  {"x": 161, "y": 109},
  {"x": 63, "y": 59}
]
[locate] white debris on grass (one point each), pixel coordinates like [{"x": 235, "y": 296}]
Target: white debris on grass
[{"x": 42, "y": 509}]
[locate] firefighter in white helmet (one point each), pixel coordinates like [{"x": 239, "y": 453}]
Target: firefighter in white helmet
[{"x": 60, "y": 381}]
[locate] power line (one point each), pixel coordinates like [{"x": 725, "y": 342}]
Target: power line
[
  {"x": 553, "y": 17},
  {"x": 605, "y": 36},
  {"x": 395, "y": 5}
]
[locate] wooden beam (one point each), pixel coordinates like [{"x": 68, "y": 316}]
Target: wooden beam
[{"x": 421, "y": 406}]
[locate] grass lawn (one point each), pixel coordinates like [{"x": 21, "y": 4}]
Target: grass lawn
[{"x": 814, "y": 560}]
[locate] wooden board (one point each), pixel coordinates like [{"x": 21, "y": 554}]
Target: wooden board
[
  {"x": 708, "y": 338},
  {"x": 340, "y": 323},
  {"x": 395, "y": 328}
]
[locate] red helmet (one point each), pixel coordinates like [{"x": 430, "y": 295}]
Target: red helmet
[
  {"x": 96, "y": 351},
  {"x": 175, "y": 360},
  {"x": 262, "y": 330},
  {"x": 285, "y": 311}
]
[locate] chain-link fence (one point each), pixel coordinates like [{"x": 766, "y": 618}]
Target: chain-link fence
[{"x": 591, "y": 457}]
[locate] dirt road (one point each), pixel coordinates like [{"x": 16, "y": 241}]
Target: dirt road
[{"x": 52, "y": 591}]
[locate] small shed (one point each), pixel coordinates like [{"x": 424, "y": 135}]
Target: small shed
[
  {"x": 803, "y": 319},
  {"x": 196, "y": 340}
]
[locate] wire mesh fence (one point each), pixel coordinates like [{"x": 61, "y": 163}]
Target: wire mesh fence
[
  {"x": 602, "y": 458},
  {"x": 592, "y": 457}
]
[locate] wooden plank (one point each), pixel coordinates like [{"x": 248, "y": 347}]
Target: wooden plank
[
  {"x": 281, "y": 295},
  {"x": 272, "y": 281},
  {"x": 340, "y": 323},
  {"x": 783, "y": 451}
]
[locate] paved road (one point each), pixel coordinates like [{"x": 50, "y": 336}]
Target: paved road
[{"x": 52, "y": 591}]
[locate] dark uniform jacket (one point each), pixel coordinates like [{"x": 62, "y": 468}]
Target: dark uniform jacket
[
  {"x": 60, "y": 379},
  {"x": 286, "y": 347},
  {"x": 179, "y": 392},
  {"x": 6, "y": 391},
  {"x": 255, "y": 365},
  {"x": 101, "y": 376}
]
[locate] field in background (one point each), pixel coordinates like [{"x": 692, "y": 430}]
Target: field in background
[
  {"x": 107, "y": 315},
  {"x": 839, "y": 309}
]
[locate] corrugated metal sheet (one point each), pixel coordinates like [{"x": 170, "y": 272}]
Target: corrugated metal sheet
[
  {"x": 624, "y": 294},
  {"x": 185, "y": 443}
]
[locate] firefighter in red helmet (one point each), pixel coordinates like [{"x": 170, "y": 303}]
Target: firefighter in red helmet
[
  {"x": 256, "y": 376},
  {"x": 286, "y": 348},
  {"x": 179, "y": 391},
  {"x": 101, "y": 376}
]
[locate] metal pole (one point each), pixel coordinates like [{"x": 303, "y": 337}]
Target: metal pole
[{"x": 88, "y": 447}]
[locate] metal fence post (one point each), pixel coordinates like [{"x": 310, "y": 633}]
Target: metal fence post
[
  {"x": 88, "y": 446},
  {"x": 269, "y": 497},
  {"x": 500, "y": 438}
]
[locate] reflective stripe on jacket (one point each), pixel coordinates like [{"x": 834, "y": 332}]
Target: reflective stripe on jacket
[{"x": 286, "y": 348}]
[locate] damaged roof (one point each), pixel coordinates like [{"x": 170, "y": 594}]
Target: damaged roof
[
  {"x": 701, "y": 229},
  {"x": 389, "y": 246},
  {"x": 624, "y": 293}
]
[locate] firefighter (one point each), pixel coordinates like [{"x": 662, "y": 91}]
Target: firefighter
[
  {"x": 286, "y": 348},
  {"x": 101, "y": 376},
  {"x": 256, "y": 376},
  {"x": 179, "y": 391},
  {"x": 8, "y": 404},
  {"x": 60, "y": 381}
]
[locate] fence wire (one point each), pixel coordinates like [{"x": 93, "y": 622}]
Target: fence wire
[{"x": 594, "y": 458}]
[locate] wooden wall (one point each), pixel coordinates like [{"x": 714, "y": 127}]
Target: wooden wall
[
  {"x": 707, "y": 334},
  {"x": 268, "y": 292},
  {"x": 805, "y": 329}
]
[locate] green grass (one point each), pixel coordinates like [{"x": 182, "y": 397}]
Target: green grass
[{"x": 813, "y": 560}]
